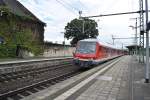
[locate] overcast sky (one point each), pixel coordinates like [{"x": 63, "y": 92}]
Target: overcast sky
[{"x": 57, "y": 13}]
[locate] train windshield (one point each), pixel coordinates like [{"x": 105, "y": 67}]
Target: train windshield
[{"x": 86, "y": 47}]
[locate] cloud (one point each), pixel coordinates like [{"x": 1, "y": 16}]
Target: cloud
[
  {"x": 57, "y": 13},
  {"x": 36, "y": 1}
]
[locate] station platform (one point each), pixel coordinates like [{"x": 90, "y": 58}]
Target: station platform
[
  {"x": 19, "y": 60},
  {"x": 124, "y": 80},
  {"x": 16, "y": 65}
]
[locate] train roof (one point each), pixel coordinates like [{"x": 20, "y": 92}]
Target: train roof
[
  {"x": 101, "y": 43},
  {"x": 89, "y": 40}
]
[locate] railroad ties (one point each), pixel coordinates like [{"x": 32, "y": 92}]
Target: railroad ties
[{"x": 30, "y": 77}]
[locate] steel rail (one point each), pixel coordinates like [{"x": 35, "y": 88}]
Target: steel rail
[
  {"x": 29, "y": 87},
  {"x": 26, "y": 73}
]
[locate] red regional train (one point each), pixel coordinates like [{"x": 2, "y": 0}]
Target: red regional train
[{"x": 91, "y": 52}]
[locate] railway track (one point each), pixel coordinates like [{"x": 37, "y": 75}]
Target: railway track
[
  {"x": 23, "y": 83},
  {"x": 28, "y": 90},
  {"x": 20, "y": 85},
  {"x": 4, "y": 78}
]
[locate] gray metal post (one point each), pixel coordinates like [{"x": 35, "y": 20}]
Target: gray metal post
[
  {"x": 143, "y": 56},
  {"x": 80, "y": 17},
  {"x": 136, "y": 36},
  {"x": 80, "y": 13},
  {"x": 147, "y": 45},
  {"x": 140, "y": 48},
  {"x": 63, "y": 41},
  {"x": 113, "y": 40},
  {"x": 141, "y": 39},
  {"x": 83, "y": 26}
]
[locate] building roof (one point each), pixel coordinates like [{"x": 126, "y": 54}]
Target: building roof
[
  {"x": 90, "y": 40},
  {"x": 18, "y": 9},
  {"x": 50, "y": 44},
  {"x": 132, "y": 47}
]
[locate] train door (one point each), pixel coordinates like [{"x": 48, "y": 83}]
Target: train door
[{"x": 99, "y": 51}]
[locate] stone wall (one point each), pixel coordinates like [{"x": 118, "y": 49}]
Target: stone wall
[{"x": 59, "y": 51}]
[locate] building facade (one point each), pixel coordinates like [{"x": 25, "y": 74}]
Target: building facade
[
  {"x": 27, "y": 20},
  {"x": 17, "y": 21}
]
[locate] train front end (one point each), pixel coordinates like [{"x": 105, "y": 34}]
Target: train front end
[{"x": 85, "y": 53}]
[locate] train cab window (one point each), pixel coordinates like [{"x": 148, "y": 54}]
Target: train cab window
[{"x": 86, "y": 47}]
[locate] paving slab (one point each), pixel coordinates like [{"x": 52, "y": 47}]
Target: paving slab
[{"x": 124, "y": 81}]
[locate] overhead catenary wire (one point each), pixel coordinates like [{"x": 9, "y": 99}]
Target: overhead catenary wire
[
  {"x": 71, "y": 6},
  {"x": 126, "y": 38},
  {"x": 71, "y": 11},
  {"x": 115, "y": 14},
  {"x": 66, "y": 7},
  {"x": 82, "y": 4}
]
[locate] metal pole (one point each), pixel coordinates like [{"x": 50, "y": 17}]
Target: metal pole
[
  {"x": 64, "y": 44},
  {"x": 143, "y": 57},
  {"x": 141, "y": 40},
  {"x": 80, "y": 17},
  {"x": 113, "y": 40},
  {"x": 122, "y": 46},
  {"x": 83, "y": 26},
  {"x": 147, "y": 45},
  {"x": 140, "y": 49},
  {"x": 80, "y": 13},
  {"x": 64, "y": 37},
  {"x": 136, "y": 36}
]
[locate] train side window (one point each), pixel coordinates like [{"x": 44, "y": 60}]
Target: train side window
[{"x": 100, "y": 48}]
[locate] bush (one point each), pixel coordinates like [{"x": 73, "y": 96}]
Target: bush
[{"x": 7, "y": 51}]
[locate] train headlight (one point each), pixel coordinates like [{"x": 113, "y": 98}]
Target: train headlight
[{"x": 76, "y": 58}]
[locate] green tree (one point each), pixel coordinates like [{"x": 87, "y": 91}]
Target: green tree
[{"x": 79, "y": 29}]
